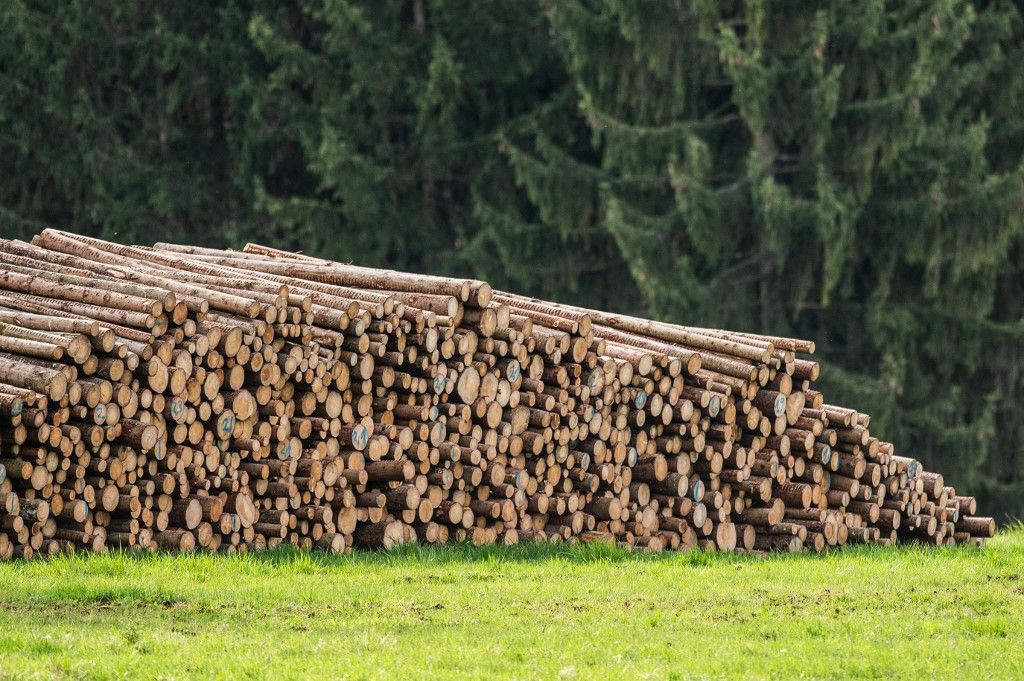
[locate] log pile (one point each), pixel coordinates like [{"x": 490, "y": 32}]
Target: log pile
[{"x": 175, "y": 397}]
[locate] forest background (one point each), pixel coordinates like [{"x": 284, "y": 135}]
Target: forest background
[{"x": 848, "y": 171}]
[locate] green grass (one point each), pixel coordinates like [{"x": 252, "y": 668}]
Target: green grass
[{"x": 554, "y": 612}]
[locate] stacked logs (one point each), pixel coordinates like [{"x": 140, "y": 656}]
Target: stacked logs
[{"x": 179, "y": 397}]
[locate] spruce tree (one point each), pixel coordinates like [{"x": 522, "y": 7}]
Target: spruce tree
[
  {"x": 119, "y": 119},
  {"x": 377, "y": 122},
  {"x": 822, "y": 169}
]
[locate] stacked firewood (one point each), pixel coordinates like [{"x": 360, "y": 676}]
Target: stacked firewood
[{"x": 178, "y": 397}]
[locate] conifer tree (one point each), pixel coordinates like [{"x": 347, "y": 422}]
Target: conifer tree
[
  {"x": 822, "y": 169},
  {"x": 119, "y": 119}
]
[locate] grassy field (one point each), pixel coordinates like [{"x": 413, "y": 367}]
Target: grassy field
[{"x": 524, "y": 612}]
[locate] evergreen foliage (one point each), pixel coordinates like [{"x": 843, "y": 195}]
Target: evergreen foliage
[{"x": 850, "y": 171}]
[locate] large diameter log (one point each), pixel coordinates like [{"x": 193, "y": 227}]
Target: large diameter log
[
  {"x": 52, "y": 383},
  {"x": 768, "y": 515},
  {"x": 383, "y": 535},
  {"x": 605, "y": 508},
  {"x": 187, "y": 513},
  {"x": 977, "y": 526},
  {"x": 175, "y": 540}
]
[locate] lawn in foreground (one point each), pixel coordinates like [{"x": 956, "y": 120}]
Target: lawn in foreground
[{"x": 524, "y": 612}]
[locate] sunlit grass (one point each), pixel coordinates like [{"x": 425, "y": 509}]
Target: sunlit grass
[{"x": 544, "y": 611}]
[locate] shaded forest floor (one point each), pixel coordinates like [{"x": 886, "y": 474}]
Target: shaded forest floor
[{"x": 555, "y": 612}]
